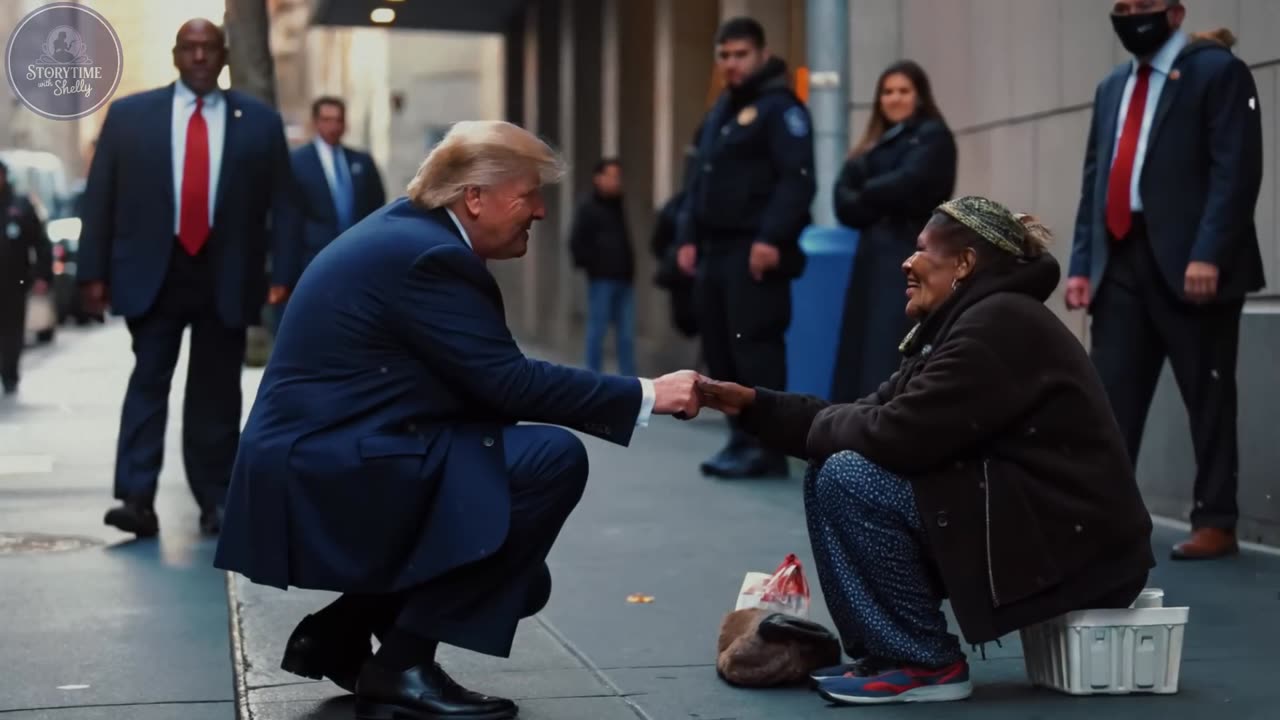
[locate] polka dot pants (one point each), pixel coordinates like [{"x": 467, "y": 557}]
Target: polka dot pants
[{"x": 869, "y": 549}]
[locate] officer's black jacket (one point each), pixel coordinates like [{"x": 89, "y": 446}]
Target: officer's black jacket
[
  {"x": 753, "y": 173},
  {"x": 25, "y": 252}
]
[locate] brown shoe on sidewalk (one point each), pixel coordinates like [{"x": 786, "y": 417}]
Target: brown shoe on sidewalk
[{"x": 1207, "y": 544}]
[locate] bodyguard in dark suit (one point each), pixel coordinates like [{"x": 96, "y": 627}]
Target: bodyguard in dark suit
[
  {"x": 382, "y": 458},
  {"x": 337, "y": 185},
  {"x": 745, "y": 206},
  {"x": 1165, "y": 246},
  {"x": 183, "y": 184}
]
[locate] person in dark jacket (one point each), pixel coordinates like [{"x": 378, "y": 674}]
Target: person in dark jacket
[
  {"x": 662, "y": 244},
  {"x": 601, "y": 246},
  {"x": 26, "y": 266},
  {"x": 1166, "y": 247},
  {"x": 989, "y": 469},
  {"x": 902, "y": 168},
  {"x": 745, "y": 206}
]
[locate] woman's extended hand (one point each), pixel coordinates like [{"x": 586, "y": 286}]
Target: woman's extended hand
[{"x": 729, "y": 398}]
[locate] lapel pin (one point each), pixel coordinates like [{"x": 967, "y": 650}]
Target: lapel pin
[
  {"x": 1175, "y": 74},
  {"x": 238, "y": 112}
]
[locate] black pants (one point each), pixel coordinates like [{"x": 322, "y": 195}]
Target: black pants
[
  {"x": 13, "y": 330},
  {"x": 211, "y": 412},
  {"x": 743, "y": 322},
  {"x": 478, "y": 606},
  {"x": 1137, "y": 323}
]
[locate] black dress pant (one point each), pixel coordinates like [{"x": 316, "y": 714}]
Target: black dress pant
[
  {"x": 211, "y": 412},
  {"x": 743, "y": 322},
  {"x": 1137, "y": 323},
  {"x": 477, "y": 606},
  {"x": 13, "y": 330}
]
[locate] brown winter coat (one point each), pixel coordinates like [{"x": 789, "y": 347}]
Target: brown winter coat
[{"x": 1000, "y": 423}]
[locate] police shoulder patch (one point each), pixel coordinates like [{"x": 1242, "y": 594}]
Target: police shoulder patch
[{"x": 797, "y": 122}]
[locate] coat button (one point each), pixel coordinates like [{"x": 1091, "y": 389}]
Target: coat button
[
  {"x": 706, "y": 167},
  {"x": 943, "y": 521},
  {"x": 412, "y": 427},
  {"x": 1079, "y": 528},
  {"x": 488, "y": 442}
]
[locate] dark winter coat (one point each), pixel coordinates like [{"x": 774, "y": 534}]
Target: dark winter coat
[
  {"x": 1000, "y": 423},
  {"x": 599, "y": 241},
  {"x": 887, "y": 193}
]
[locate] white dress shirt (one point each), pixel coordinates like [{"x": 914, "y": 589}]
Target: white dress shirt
[
  {"x": 1161, "y": 64},
  {"x": 328, "y": 156},
  {"x": 648, "y": 395},
  {"x": 215, "y": 118}
]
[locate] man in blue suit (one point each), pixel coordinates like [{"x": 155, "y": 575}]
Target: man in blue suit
[
  {"x": 183, "y": 184},
  {"x": 337, "y": 185},
  {"x": 1165, "y": 246},
  {"x": 382, "y": 458}
]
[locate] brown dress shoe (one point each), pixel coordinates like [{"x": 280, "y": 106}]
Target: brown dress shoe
[{"x": 1207, "y": 544}]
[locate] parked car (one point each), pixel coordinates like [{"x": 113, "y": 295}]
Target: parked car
[{"x": 64, "y": 233}]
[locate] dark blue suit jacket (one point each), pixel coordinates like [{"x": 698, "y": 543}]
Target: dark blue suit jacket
[
  {"x": 318, "y": 221},
  {"x": 372, "y": 459},
  {"x": 128, "y": 206},
  {"x": 1200, "y": 179}
]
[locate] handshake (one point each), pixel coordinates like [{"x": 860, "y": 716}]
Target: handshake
[{"x": 684, "y": 393}]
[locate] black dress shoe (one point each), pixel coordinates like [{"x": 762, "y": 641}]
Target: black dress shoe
[
  {"x": 751, "y": 462},
  {"x": 211, "y": 521},
  {"x": 317, "y": 653},
  {"x": 424, "y": 692},
  {"x": 134, "y": 517}
]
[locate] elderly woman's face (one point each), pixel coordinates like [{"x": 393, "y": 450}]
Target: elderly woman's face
[
  {"x": 932, "y": 273},
  {"x": 506, "y": 214}
]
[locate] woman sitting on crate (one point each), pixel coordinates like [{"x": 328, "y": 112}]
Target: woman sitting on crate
[{"x": 988, "y": 469}]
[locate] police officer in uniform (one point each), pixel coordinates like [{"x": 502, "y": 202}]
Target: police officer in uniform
[
  {"x": 746, "y": 203},
  {"x": 26, "y": 265}
]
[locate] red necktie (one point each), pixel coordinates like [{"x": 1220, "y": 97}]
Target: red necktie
[
  {"x": 1119, "y": 204},
  {"x": 193, "y": 225}
]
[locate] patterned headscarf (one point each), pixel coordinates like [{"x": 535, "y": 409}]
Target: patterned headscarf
[{"x": 993, "y": 221}]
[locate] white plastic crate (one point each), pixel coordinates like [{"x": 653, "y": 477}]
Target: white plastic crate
[{"x": 1109, "y": 652}]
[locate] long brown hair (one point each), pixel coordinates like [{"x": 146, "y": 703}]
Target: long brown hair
[{"x": 926, "y": 107}]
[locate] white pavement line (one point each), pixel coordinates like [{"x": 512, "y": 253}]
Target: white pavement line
[
  {"x": 592, "y": 667},
  {"x": 239, "y": 661},
  {"x": 1186, "y": 527},
  {"x": 25, "y": 464}
]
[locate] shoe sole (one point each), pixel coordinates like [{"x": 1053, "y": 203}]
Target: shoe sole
[
  {"x": 932, "y": 693},
  {"x": 367, "y": 710},
  {"x": 303, "y": 669},
  {"x": 132, "y": 528},
  {"x": 1175, "y": 555}
]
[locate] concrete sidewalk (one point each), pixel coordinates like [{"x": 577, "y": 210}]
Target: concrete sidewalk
[
  {"x": 650, "y": 524},
  {"x": 95, "y": 625}
]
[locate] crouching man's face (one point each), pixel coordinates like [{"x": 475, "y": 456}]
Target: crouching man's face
[{"x": 503, "y": 215}]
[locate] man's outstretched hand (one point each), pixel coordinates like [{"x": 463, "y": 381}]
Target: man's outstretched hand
[
  {"x": 729, "y": 398},
  {"x": 676, "y": 394}
]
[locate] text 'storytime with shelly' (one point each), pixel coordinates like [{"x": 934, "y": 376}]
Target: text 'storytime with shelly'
[{"x": 64, "y": 61}]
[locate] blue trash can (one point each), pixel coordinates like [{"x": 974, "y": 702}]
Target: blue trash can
[{"x": 817, "y": 308}]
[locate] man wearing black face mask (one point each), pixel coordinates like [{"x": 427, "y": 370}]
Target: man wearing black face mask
[{"x": 1165, "y": 246}]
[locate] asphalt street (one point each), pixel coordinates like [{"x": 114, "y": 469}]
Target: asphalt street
[{"x": 93, "y": 625}]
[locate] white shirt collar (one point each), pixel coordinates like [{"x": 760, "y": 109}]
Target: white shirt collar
[
  {"x": 1163, "y": 60},
  {"x": 187, "y": 96},
  {"x": 458, "y": 223}
]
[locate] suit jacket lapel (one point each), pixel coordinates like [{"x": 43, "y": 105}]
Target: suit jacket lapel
[
  {"x": 163, "y": 119},
  {"x": 1167, "y": 96},
  {"x": 230, "y": 106},
  {"x": 1110, "y": 114}
]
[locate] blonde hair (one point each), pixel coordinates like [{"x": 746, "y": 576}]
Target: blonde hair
[{"x": 480, "y": 153}]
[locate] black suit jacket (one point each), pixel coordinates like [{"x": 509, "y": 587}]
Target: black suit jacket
[{"x": 1200, "y": 179}]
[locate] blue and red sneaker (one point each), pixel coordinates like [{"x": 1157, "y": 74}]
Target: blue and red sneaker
[{"x": 895, "y": 683}]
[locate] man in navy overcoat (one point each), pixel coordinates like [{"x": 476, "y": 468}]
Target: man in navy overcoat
[{"x": 382, "y": 457}]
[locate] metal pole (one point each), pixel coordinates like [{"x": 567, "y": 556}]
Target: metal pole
[{"x": 827, "y": 38}]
